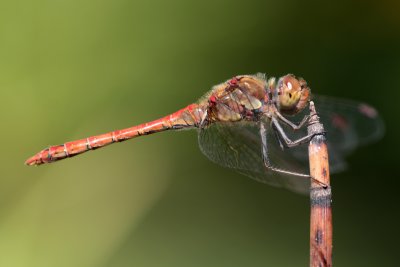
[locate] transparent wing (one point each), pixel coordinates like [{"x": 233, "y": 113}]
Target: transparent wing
[
  {"x": 237, "y": 145},
  {"x": 349, "y": 124}
]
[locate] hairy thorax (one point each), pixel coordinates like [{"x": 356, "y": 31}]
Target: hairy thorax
[{"x": 240, "y": 98}]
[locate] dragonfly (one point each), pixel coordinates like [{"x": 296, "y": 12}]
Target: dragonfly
[{"x": 256, "y": 126}]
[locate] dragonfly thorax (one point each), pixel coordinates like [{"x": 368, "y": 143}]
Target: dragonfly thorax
[
  {"x": 246, "y": 97},
  {"x": 240, "y": 98}
]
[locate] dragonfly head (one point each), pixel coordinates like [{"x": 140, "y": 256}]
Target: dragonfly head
[{"x": 291, "y": 94}]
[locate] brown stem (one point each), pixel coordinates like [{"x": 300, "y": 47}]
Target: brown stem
[{"x": 320, "y": 195}]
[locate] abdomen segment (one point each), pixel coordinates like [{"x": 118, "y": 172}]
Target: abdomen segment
[{"x": 187, "y": 117}]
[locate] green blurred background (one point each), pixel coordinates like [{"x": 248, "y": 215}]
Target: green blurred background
[{"x": 70, "y": 69}]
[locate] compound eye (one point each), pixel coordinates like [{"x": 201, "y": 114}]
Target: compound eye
[
  {"x": 293, "y": 94},
  {"x": 290, "y": 92}
]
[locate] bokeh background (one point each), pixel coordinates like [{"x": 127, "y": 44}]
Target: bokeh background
[{"x": 70, "y": 69}]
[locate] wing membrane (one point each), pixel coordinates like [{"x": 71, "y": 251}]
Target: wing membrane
[
  {"x": 349, "y": 124},
  {"x": 237, "y": 145}
]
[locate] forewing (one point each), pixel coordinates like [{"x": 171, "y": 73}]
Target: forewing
[
  {"x": 348, "y": 125},
  {"x": 237, "y": 145}
]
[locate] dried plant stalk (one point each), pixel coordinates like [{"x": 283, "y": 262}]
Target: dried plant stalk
[{"x": 320, "y": 195}]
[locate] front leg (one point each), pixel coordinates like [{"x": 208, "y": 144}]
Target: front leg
[
  {"x": 291, "y": 124},
  {"x": 286, "y": 140},
  {"x": 264, "y": 151},
  {"x": 267, "y": 163}
]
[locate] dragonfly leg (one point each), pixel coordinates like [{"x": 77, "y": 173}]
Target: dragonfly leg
[
  {"x": 286, "y": 140},
  {"x": 291, "y": 124},
  {"x": 268, "y": 166},
  {"x": 278, "y": 139},
  {"x": 267, "y": 163}
]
